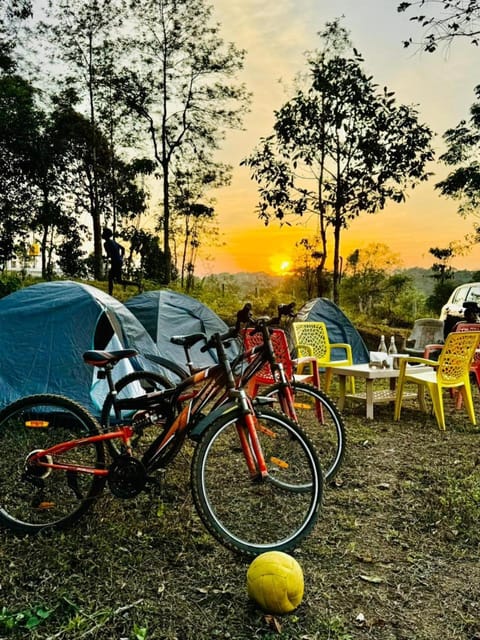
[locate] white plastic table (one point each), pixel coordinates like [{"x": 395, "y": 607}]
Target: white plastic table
[{"x": 371, "y": 396}]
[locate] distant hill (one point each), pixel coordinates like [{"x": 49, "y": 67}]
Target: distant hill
[{"x": 424, "y": 281}]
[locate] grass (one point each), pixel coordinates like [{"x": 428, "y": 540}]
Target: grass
[{"x": 394, "y": 555}]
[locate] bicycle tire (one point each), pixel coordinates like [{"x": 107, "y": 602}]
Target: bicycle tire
[
  {"x": 35, "y": 499},
  {"x": 326, "y": 431},
  {"x": 173, "y": 368},
  {"x": 248, "y": 515},
  {"x": 126, "y": 387}
]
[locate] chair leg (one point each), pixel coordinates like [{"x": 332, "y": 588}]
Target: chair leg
[
  {"x": 328, "y": 378},
  {"x": 437, "y": 399},
  {"x": 465, "y": 392},
  {"x": 458, "y": 396},
  {"x": 399, "y": 397},
  {"x": 351, "y": 382},
  {"x": 316, "y": 377}
]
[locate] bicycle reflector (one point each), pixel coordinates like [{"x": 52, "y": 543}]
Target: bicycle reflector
[
  {"x": 301, "y": 405},
  {"x": 36, "y": 424},
  {"x": 280, "y": 463}
]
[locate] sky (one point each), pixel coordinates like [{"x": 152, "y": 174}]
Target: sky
[{"x": 276, "y": 34}]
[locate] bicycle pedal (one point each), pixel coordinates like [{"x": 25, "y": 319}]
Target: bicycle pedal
[{"x": 155, "y": 484}]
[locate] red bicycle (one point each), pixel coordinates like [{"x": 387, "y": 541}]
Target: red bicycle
[
  {"x": 263, "y": 366},
  {"x": 256, "y": 479}
]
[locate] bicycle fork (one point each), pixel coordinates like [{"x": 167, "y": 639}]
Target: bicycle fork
[{"x": 247, "y": 432}]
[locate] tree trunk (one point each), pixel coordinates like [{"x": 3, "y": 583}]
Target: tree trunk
[{"x": 336, "y": 260}]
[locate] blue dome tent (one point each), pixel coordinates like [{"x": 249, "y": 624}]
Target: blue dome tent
[
  {"x": 45, "y": 329},
  {"x": 339, "y": 327},
  {"x": 165, "y": 313}
]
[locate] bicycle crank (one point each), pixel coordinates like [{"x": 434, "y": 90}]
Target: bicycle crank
[{"x": 127, "y": 477}]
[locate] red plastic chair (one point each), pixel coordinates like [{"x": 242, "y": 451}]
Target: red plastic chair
[
  {"x": 475, "y": 364},
  {"x": 265, "y": 376}
]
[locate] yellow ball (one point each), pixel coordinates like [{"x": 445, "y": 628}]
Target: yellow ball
[{"x": 275, "y": 582}]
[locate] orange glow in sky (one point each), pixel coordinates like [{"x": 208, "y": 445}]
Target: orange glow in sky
[{"x": 276, "y": 36}]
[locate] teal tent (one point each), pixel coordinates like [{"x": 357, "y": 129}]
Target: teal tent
[
  {"x": 339, "y": 327},
  {"x": 165, "y": 313},
  {"x": 45, "y": 329}
]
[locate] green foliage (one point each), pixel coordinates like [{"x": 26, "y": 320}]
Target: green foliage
[
  {"x": 463, "y": 156},
  {"x": 440, "y": 295},
  {"x": 9, "y": 282},
  {"x": 25, "y": 619},
  {"x": 459, "y": 506},
  {"x": 358, "y": 148},
  {"x": 139, "y": 633},
  {"x": 442, "y": 270},
  {"x": 152, "y": 258},
  {"x": 373, "y": 287}
]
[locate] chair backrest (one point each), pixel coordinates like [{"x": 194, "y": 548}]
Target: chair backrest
[
  {"x": 280, "y": 347},
  {"x": 315, "y": 335},
  {"x": 425, "y": 331},
  {"x": 456, "y": 356},
  {"x": 470, "y": 326}
]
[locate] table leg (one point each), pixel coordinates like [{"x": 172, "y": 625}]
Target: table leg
[
  {"x": 342, "y": 391},
  {"x": 369, "y": 398},
  {"x": 421, "y": 397}
]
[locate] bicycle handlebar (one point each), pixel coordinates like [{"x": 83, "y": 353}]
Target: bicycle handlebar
[{"x": 245, "y": 316}]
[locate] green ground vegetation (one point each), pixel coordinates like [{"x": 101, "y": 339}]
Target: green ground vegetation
[{"x": 394, "y": 555}]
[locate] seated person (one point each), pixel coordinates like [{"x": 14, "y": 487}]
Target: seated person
[{"x": 470, "y": 316}]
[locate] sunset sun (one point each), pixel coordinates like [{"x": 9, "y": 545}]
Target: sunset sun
[{"x": 280, "y": 265}]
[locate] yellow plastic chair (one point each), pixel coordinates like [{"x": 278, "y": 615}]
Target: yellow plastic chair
[
  {"x": 311, "y": 340},
  {"x": 452, "y": 371}
]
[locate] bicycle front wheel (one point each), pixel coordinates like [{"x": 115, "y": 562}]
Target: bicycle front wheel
[
  {"x": 320, "y": 419},
  {"x": 253, "y": 515},
  {"x": 34, "y": 498}
]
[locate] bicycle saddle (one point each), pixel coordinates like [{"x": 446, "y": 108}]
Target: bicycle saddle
[
  {"x": 188, "y": 341},
  {"x": 102, "y": 358}
]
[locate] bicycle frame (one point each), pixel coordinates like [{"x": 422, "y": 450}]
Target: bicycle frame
[
  {"x": 124, "y": 434},
  {"x": 216, "y": 378}
]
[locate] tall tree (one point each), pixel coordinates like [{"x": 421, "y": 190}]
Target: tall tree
[
  {"x": 340, "y": 146},
  {"x": 12, "y": 12},
  {"x": 442, "y": 269},
  {"x": 463, "y": 157},
  {"x": 308, "y": 267},
  {"x": 193, "y": 212},
  {"x": 182, "y": 85},
  {"x": 81, "y": 33},
  {"x": 369, "y": 277},
  {"x": 19, "y": 129},
  {"x": 443, "y": 21}
]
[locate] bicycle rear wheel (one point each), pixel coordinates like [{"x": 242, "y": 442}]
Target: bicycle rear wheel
[
  {"x": 253, "y": 515},
  {"x": 320, "y": 419},
  {"x": 34, "y": 498}
]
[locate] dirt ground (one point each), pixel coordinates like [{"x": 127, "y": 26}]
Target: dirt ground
[{"x": 394, "y": 554}]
